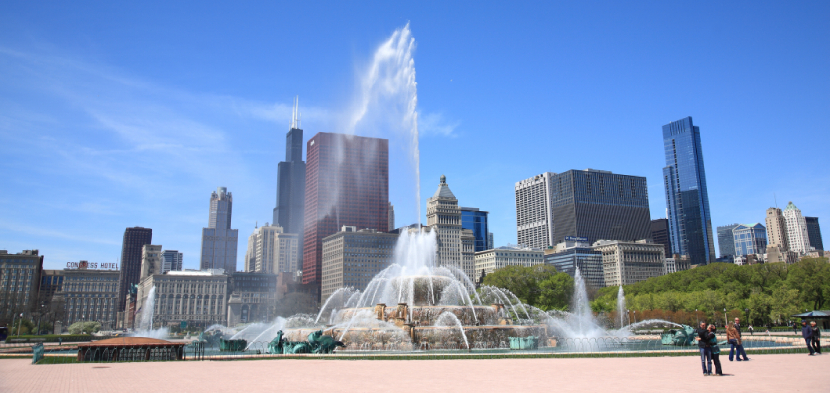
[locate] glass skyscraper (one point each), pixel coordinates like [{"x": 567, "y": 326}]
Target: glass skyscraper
[
  {"x": 750, "y": 239},
  {"x": 476, "y": 221},
  {"x": 687, "y": 200},
  {"x": 726, "y": 241}
]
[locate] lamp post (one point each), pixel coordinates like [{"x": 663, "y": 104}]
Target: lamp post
[
  {"x": 697, "y": 317},
  {"x": 19, "y": 324},
  {"x": 39, "y": 315},
  {"x": 746, "y": 310},
  {"x": 635, "y": 316},
  {"x": 14, "y": 318}
]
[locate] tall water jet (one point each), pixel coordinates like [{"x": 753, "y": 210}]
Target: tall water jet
[
  {"x": 621, "y": 313},
  {"x": 387, "y": 101},
  {"x": 145, "y": 321},
  {"x": 147, "y": 311}
]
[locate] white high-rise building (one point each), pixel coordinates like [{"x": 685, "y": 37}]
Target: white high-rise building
[
  {"x": 797, "y": 237},
  {"x": 219, "y": 241},
  {"x": 534, "y": 214},
  {"x": 270, "y": 250}
]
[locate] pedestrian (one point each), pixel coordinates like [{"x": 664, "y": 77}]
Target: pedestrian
[
  {"x": 807, "y": 334},
  {"x": 712, "y": 340},
  {"x": 736, "y": 342},
  {"x": 705, "y": 349},
  {"x": 816, "y": 337},
  {"x": 751, "y": 330}
]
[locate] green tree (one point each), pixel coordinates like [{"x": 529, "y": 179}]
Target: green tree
[
  {"x": 760, "y": 307},
  {"x": 784, "y": 303},
  {"x": 555, "y": 292},
  {"x": 22, "y": 325},
  {"x": 811, "y": 276},
  {"x": 84, "y": 327},
  {"x": 522, "y": 281}
]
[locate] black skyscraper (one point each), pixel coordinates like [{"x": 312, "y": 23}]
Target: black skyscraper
[
  {"x": 134, "y": 239},
  {"x": 599, "y": 205},
  {"x": 814, "y": 233},
  {"x": 660, "y": 234},
  {"x": 291, "y": 184}
]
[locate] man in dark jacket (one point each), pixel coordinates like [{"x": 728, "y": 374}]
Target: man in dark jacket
[
  {"x": 705, "y": 350},
  {"x": 816, "y": 338},
  {"x": 807, "y": 334}
]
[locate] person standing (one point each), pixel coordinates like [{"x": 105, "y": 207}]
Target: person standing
[
  {"x": 816, "y": 337},
  {"x": 712, "y": 340},
  {"x": 751, "y": 330},
  {"x": 736, "y": 341},
  {"x": 807, "y": 334},
  {"x": 705, "y": 350}
]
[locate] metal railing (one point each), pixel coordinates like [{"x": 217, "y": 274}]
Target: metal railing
[{"x": 635, "y": 346}]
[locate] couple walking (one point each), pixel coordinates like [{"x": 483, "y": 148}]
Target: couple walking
[{"x": 812, "y": 335}]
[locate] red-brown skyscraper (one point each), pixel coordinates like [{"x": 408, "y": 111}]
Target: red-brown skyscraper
[{"x": 347, "y": 183}]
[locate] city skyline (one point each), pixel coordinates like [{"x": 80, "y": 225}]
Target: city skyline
[{"x": 89, "y": 118}]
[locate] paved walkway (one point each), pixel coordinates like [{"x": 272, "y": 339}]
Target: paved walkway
[{"x": 764, "y": 373}]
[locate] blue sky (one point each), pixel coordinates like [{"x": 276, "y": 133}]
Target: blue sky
[{"x": 119, "y": 115}]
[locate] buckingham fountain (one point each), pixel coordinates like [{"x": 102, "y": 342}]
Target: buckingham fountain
[{"x": 414, "y": 305}]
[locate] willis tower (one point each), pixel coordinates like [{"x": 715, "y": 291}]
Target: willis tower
[{"x": 291, "y": 182}]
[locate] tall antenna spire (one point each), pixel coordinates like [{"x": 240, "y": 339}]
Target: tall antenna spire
[{"x": 295, "y": 113}]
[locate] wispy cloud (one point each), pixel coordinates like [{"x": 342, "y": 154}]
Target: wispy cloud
[
  {"x": 434, "y": 124},
  {"x": 40, "y": 232}
]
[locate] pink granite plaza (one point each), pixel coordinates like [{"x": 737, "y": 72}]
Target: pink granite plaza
[{"x": 764, "y": 373}]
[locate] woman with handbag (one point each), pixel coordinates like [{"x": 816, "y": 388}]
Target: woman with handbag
[{"x": 712, "y": 341}]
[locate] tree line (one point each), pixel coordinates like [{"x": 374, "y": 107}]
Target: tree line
[{"x": 761, "y": 294}]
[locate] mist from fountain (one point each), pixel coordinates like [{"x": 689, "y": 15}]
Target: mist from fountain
[{"x": 581, "y": 323}]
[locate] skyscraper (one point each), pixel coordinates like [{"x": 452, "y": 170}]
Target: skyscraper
[
  {"x": 814, "y": 233},
  {"x": 347, "y": 183},
  {"x": 291, "y": 182},
  {"x": 599, "y": 205},
  {"x": 660, "y": 234},
  {"x": 270, "y": 250},
  {"x": 581, "y": 203},
  {"x": 219, "y": 241},
  {"x": 476, "y": 220},
  {"x": 750, "y": 239},
  {"x": 797, "y": 236},
  {"x": 171, "y": 260},
  {"x": 444, "y": 216},
  {"x": 777, "y": 229},
  {"x": 726, "y": 241},
  {"x": 151, "y": 261},
  {"x": 534, "y": 218},
  {"x": 134, "y": 239},
  {"x": 687, "y": 199}
]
